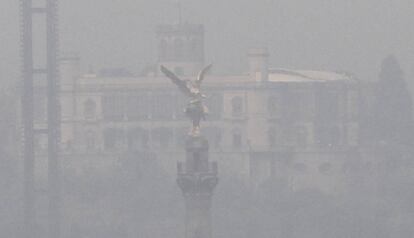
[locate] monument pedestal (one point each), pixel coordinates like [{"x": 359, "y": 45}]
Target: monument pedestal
[{"x": 197, "y": 178}]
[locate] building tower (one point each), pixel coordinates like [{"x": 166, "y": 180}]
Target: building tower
[
  {"x": 181, "y": 48},
  {"x": 259, "y": 64},
  {"x": 197, "y": 178}
]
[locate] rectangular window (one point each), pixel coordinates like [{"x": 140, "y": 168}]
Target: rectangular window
[
  {"x": 113, "y": 107},
  {"x": 353, "y": 105},
  {"x": 40, "y": 108},
  {"x": 90, "y": 141},
  {"x": 295, "y": 105},
  {"x": 328, "y": 106},
  {"x": 214, "y": 103},
  {"x": 237, "y": 106},
  {"x": 273, "y": 106},
  {"x": 163, "y": 107},
  {"x": 113, "y": 139},
  {"x": 301, "y": 136},
  {"x": 237, "y": 140},
  {"x": 328, "y": 136},
  {"x": 213, "y": 135},
  {"x": 136, "y": 107},
  {"x": 137, "y": 139},
  {"x": 162, "y": 137}
]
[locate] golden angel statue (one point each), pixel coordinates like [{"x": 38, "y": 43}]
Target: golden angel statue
[{"x": 195, "y": 110}]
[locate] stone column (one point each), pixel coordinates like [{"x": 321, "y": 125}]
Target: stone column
[{"x": 197, "y": 178}]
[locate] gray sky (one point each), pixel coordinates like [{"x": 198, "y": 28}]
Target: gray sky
[{"x": 351, "y": 35}]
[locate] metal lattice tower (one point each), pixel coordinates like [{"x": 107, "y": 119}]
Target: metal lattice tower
[{"x": 50, "y": 73}]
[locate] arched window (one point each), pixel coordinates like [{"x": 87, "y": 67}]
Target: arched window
[
  {"x": 89, "y": 108},
  {"x": 237, "y": 106}
]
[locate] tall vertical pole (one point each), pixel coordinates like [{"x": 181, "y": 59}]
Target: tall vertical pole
[
  {"x": 53, "y": 119},
  {"x": 27, "y": 113},
  {"x": 50, "y": 70}
]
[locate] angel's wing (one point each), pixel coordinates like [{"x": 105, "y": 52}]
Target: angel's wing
[
  {"x": 202, "y": 74},
  {"x": 182, "y": 85}
]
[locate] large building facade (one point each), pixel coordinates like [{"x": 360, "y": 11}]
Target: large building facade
[{"x": 297, "y": 126}]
